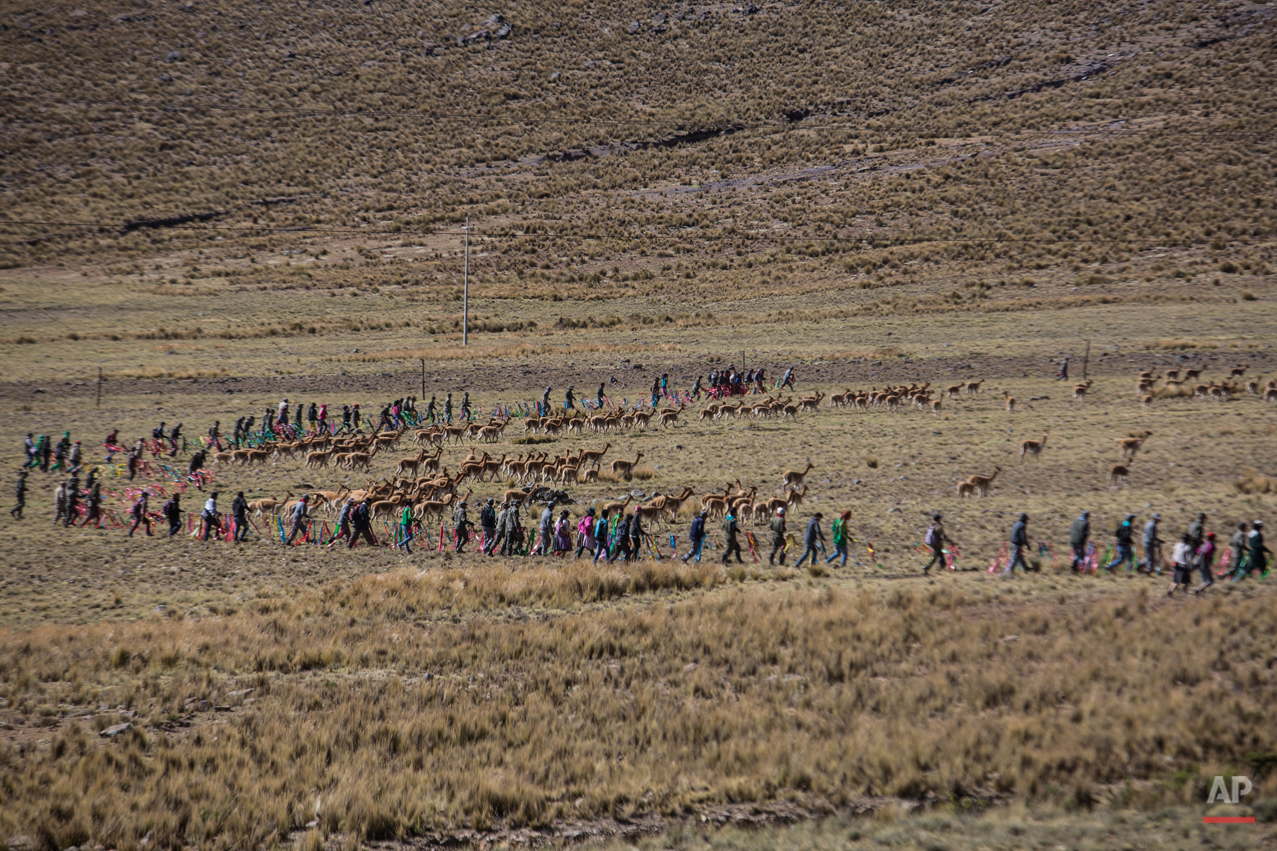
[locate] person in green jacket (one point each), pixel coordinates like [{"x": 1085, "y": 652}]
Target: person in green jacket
[
  {"x": 839, "y": 536},
  {"x": 778, "y": 537},
  {"x": 405, "y": 529}
]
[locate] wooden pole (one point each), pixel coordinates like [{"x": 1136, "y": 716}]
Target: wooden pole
[
  {"x": 423, "y": 378},
  {"x": 99, "y": 402},
  {"x": 1086, "y": 359},
  {"x": 465, "y": 303}
]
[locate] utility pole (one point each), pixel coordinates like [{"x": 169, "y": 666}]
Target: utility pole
[
  {"x": 99, "y": 402},
  {"x": 1086, "y": 359},
  {"x": 465, "y": 297}
]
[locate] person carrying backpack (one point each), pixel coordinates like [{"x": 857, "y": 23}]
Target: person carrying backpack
[
  {"x": 600, "y": 537},
  {"x": 838, "y": 534},
  {"x": 172, "y": 512},
  {"x": 1079, "y": 534},
  {"x": 935, "y": 539},
  {"x": 697, "y": 537},
  {"x": 1125, "y": 552},
  {"x": 361, "y": 520}
]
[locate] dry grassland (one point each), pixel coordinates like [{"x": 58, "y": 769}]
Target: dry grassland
[{"x": 911, "y": 193}]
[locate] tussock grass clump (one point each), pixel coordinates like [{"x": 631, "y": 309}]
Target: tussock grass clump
[{"x": 1252, "y": 481}]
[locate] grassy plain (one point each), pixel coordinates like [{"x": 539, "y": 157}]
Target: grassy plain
[{"x": 915, "y": 193}]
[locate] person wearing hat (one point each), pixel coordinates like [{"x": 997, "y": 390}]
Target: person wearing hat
[
  {"x": 1206, "y": 563},
  {"x": 585, "y": 533},
  {"x": 1256, "y": 552},
  {"x": 239, "y": 513},
  {"x": 1019, "y": 543},
  {"x": 1079, "y": 535},
  {"x": 282, "y": 415},
  {"x": 545, "y": 402},
  {"x": 361, "y": 522},
  {"x": 812, "y": 536},
  {"x": 1152, "y": 546},
  {"x": 778, "y": 537},
  {"x": 600, "y": 536},
  {"x": 569, "y": 399},
  {"x": 697, "y": 537},
  {"x": 300, "y": 516},
  {"x": 1181, "y": 559},
  {"x": 936, "y": 539},
  {"x": 1125, "y": 552},
  {"x": 209, "y": 515},
  {"x": 488, "y": 523}
]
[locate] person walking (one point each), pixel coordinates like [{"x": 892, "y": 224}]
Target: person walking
[
  {"x": 209, "y": 515},
  {"x": 405, "y": 529},
  {"x": 1237, "y": 543},
  {"x": 93, "y": 506},
  {"x": 20, "y": 492},
  {"x": 361, "y": 521},
  {"x": 239, "y": 513},
  {"x": 1079, "y": 535},
  {"x": 585, "y": 533},
  {"x": 811, "y": 538},
  {"x": 172, "y": 512},
  {"x": 636, "y": 536},
  {"x": 838, "y": 534},
  {"x": 778, "y": 537},
  {"x": 1125, "y": 552},
  {"x": 300, "y": 516},
  {"x": 656, "y": 391},
  {"x": 546, "y": 530},
  {"x": 569, "y": 400},
  {"x": 1019, "y": 543},
  {"x": 499, "y": 529},
  {"x": 73, "y": 500},
  {"x": 1257, "y": 553},
  {"x": 513, "y": 545},
  {"x": 730, "y": 531},
  {"x": 488, "y": 523},
  {"x": 600, "y": 537},
  {"x": 696, "y": 535},
  {"x": 1206, "y": 563},
  {"x": 545, "y": 402},
  {"x": 460, "y": 525},
  {"x": 622, "y": 550},
  {"x": 1152, "y": 547},
  {"x": 140, "y": 516},
  {"x": 344, "y": 518},
  {"x": 1063, "y": 374},
  {"x": 601, "y": 395},
  {"x": 788, "y": 380},
  {"x": 1181, "y": 562},
  {"x": 563, "y": 534},
  {"x": 1196, "y": 535},
  {"x": 936, "y": 539},
  {"x": 75, "y": 457}
]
